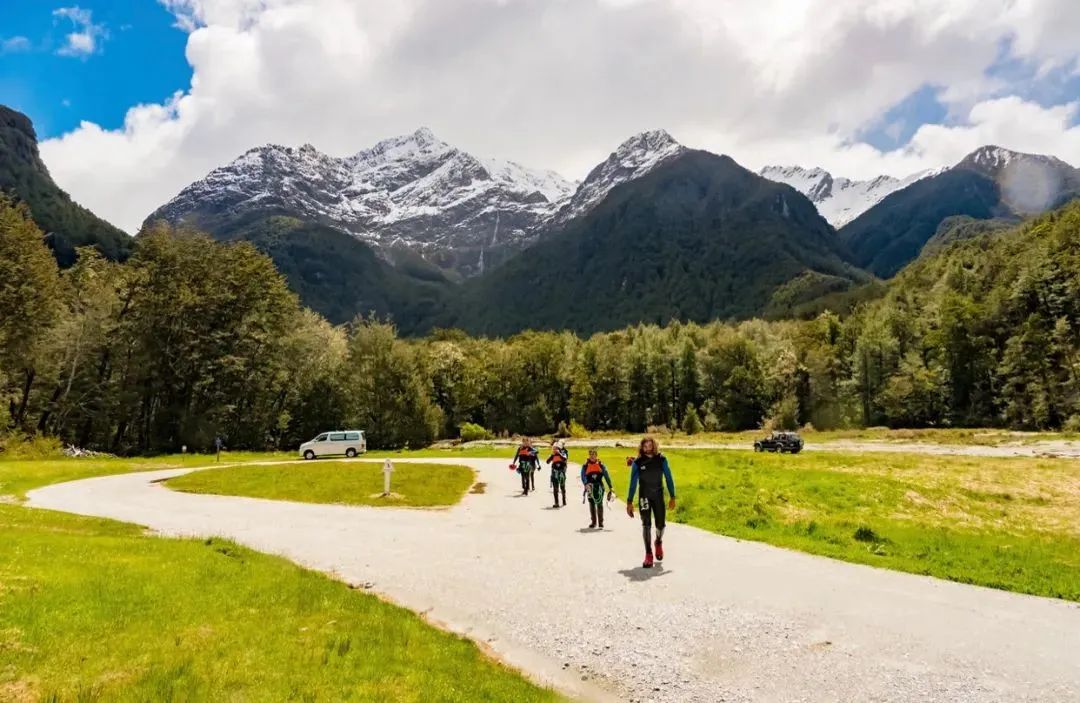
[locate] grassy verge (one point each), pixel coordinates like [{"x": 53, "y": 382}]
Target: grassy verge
[
  {"x": 1009, "y": 523},
  {"x": 94, "y": 610},
  {"x": 19, "y": 476},
  {"x": 348, "y": 482}
]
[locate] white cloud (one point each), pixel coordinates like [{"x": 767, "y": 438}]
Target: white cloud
[
  {"x": 559, "y": 83},
  {"x": 14, "y": 45},
  {"x": 87, "y": 36}
]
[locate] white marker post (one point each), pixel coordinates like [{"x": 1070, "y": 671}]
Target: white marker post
[{"x": 387, "y": 469}]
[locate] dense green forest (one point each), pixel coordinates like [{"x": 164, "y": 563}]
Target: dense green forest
[{"x": 191, "y": 338}]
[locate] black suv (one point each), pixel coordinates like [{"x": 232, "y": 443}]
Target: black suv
[{"x": 782, "y": 442}]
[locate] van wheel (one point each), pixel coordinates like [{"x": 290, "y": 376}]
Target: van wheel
[
  {"x": 350, "y": 452},
  {"x": 309, "y": 455}
]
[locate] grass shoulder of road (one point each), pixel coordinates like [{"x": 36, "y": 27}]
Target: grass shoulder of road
[
  {"x": 1007, "y": 523},
  {"x": 353, "y": 482},
  {"x": 94, "y": 610},
  {"x": 17, "y": 476}
]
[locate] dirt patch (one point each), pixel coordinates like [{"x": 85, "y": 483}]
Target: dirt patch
[
  {"x": 478, "y": 488},
  {"x": 21, "y": 691}
]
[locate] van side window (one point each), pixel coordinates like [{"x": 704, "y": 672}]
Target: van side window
[
  {"x": 352, "y": 436},
  {"x": 337, "y": 437},
  {"x": 321, "y": 438}
]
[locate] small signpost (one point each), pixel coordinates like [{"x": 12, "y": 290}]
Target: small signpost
[{"x": 387, "y": 469}]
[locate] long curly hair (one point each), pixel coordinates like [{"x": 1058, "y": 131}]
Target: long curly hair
[{"x": 655, "y": 446}]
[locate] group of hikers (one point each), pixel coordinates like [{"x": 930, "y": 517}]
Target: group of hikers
[{"x": 650, "y": 473}]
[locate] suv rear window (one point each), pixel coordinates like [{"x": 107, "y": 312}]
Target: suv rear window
[
  {"x": 337, "y": 437},
  {"x": 352, "y": 436}
]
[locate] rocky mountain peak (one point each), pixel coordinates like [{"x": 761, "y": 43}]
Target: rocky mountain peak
[{"x": 634, "y": 158}]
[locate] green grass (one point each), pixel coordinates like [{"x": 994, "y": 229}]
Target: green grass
[
  {"x": 348, "y": 482},
  {"x": 92, "y": 610},
  {"x": 21, "y": 475},
  {"x": 1008, "y": 523}
]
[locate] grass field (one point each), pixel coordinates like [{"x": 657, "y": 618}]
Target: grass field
[
  {"x": 347, "y": 482},
  {"x": 95, "y": 610},
  {"x": 1008, "y": 523},
  {"x": 1011, "y": 523},
  {"x": 19, "y": 476}
]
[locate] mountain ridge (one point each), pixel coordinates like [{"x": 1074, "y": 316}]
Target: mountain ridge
[{"x": 67, "y": 224}]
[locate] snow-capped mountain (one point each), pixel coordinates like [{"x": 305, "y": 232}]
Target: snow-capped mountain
[
  {"x": 413, "y": 191},
  {"x": 839, "y": 200},
  {"x": 1028, "y": 183},
  {"x": 634, "y": 158}
]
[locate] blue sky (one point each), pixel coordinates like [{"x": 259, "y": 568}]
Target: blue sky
[{"x": 138, "y": 58}]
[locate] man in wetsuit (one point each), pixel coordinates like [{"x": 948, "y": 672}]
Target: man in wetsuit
[
  {"x": 651, "y": 471},
  {"x": 558, "y": 461},
  {"x": 526, "y": 461},
  {"x": 593, "y": 476}
]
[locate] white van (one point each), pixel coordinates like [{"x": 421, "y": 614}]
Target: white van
[{"x": 343, "y": 442}]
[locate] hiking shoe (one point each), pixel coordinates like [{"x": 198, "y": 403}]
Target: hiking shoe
[
  {"x": 659, "y": 550},
  {"x": 647, "y": 564},
  {"x": 592, "y": 525}
]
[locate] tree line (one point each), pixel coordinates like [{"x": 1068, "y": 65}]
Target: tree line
[{"x": 191, "y": 339}]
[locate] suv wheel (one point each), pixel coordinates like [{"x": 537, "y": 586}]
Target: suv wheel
[
  {"x": 350, "y": 452},
  {"x": 309, "y": 455}
]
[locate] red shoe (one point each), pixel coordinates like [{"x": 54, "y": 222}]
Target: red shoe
[
  {"x": 647, "y": 564},
  {"x": 659, "y": 550}
]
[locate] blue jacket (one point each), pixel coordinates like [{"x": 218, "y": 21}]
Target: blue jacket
[{"x": 635, "y": 476}]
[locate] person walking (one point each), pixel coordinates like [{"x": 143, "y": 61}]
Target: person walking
[
  {"x": 650, "y": 472},
  {"x": 558, "y": 461},
  {"x": 526, "y": 461},
  {"x": 593, "y": 477}
]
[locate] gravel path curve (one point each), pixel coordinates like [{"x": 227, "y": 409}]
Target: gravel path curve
[{"x": 722, "y": 620}]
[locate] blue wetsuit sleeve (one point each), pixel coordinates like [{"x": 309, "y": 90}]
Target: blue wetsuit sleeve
[
  {"x": 633, "y": 482},
  {"x": 607, "y": 477},
  {"x": 668, "y": 478},
  {"x": 583, "y": 474}
]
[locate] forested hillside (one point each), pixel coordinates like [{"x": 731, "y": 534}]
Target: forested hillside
[
  {"x": 698, "y": 238},
  {"x": 68, "y": 225},
  {"x": 192, "y": 338}
]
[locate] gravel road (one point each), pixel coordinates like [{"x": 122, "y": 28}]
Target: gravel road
[{"x": 722, "y": 620}]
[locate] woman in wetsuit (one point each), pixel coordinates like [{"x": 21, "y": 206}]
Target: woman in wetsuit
[{"x": 649, "y": 473}]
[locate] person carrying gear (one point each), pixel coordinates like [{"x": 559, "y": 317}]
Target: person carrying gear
[
  {"x": 558, "y": 460},
  {"x": 526, "y": 461},
  {"x": 651, "y": 470},
  {"x": 593, "y": 477}
]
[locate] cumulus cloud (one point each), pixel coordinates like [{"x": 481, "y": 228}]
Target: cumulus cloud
[
  {"x": 87, "y": 35},
  {"x": 559, "y": 83},
  {"x": 14, "y": 45}
]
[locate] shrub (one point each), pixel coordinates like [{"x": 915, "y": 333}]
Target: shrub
[
  {"x": 471, "y": 432},
  {"x": 563, "y": 430},
  {"x": 16, "y": 446},
  {"x": 785, "y": 414},
  {"x": 691, "y": 424},
  {"x": 1072, "y": 425},
  {"x": 577, "y": 429}
]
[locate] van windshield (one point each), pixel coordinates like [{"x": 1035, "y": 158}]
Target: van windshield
[{"x": 321, "y": 438}]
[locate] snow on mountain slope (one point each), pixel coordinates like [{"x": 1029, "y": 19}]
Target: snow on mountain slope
[
  {"x": 634, "y": 158},
  {"x": 413, "y": 191},
  {"x": 839, "y": 200}
]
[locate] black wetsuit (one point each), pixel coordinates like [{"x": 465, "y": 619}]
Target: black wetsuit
[
  {"x": 649, "y": 474},
  {"x": 593, "y": 477},
  {"x": 527, "y": 461},
  {"x": 558, "y": 474}
]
